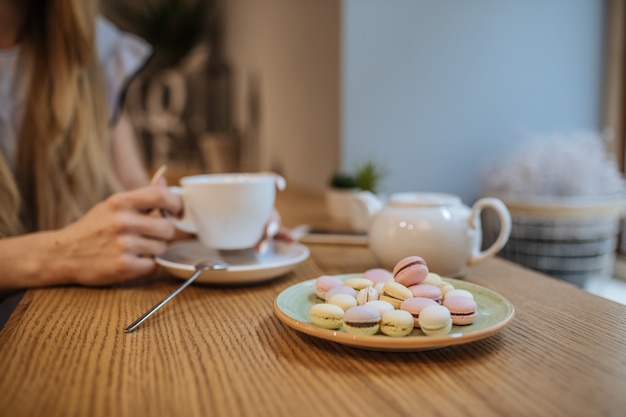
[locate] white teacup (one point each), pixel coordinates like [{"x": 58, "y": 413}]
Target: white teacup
[{"x": 228, "y": 211}]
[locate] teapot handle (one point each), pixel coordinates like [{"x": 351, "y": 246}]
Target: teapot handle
[{"x": 474, "y": 223}]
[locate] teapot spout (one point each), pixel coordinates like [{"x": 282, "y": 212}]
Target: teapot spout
[{"x": 364, "y": 205}]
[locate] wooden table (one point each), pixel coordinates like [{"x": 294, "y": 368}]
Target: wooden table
[{"x": 220, "y": 351}]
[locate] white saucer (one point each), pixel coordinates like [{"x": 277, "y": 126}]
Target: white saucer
[{"x": 246, "y": 266}]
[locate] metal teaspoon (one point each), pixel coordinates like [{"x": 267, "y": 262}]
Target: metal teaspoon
[{"x": 201, "y": 266}]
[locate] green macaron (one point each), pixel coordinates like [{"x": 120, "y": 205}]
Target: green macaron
[{"x": 327, "y": 316}]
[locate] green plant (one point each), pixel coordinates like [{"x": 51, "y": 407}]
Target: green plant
[
  {"x": 342, "y": 180},
  {"x": 368, "y": 176}
]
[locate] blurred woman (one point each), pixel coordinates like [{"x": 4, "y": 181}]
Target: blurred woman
[{"x": 75, "y": 203}]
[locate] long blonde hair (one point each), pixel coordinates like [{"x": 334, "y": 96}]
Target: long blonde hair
[{"x": 63, "y": 161}]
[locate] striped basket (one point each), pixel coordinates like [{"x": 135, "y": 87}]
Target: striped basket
[{"x": 568, "y": 238}]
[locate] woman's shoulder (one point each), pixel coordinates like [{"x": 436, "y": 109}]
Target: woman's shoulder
[
  {"x": 121, "y": 55},
  {"x": 112, "y": 42}
]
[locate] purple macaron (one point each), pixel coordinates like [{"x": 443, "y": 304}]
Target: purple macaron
[
  {"x": 362, "y": 320},
  {"x": 340, "y": 289}
]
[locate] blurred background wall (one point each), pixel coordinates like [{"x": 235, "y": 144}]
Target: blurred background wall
[
  {"x": 431, "y": 91},
  {"x": 286, "y": 57},
  {"x": 435, "y": 90}
]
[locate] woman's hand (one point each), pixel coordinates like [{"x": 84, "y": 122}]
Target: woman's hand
[
  {"x": 118, "y": 238},
  {"x": 273, "y": 230}
]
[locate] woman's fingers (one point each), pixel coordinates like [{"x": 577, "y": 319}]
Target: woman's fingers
[
  {"x": 146, "y": 199},
  {"x": 284, "y": 234},
  {"x": 120, "y": 236},
  {"x": 123, "y": 268},
  {"x": 147, "y": 225},
  {"x": 141, "y": 246}
]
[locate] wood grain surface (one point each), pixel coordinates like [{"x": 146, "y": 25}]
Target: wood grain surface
[{"x": 220, "y": 351}]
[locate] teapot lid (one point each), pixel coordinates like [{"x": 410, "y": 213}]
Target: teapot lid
[{"x": 413, "y": 199}]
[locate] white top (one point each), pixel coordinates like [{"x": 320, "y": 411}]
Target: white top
[{"x": 120, "y": 54}]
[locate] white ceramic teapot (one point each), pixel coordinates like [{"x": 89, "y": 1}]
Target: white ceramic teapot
[{"x": 436, "y": 226}]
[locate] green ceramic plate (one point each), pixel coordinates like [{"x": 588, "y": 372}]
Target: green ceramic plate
[{"x": 494, "y": 313}]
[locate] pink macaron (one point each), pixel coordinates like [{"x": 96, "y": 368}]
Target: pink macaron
[
  {"x": 325, "y": 283},
  {"x": 377, "y": 275},
  {"x": 426, "y": 291},
  {"x": 411, "y": 270},
  {"x": 463, "y": 310},
  {"x": 414, "y": 305}
]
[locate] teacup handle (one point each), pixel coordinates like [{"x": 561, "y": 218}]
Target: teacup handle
[
  {"x": 280, "y": 181},
  {"x": 474, "y": 223},
  {"x": 185, "y": 222}
]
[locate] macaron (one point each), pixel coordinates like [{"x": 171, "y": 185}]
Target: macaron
[
  {"x": 366, "y": 294},
  {"x": 463, "y": 310},
  {"x": 325, "y": 283},
  {"x": 394, "y": 293},
  {"x": 377, "y": 275},
  {"x": 327, "y": 316},
  {"x": 361, "y": 320},
  {"x": 433, "y": 279},
  {"x": 396, "y": 323},
  {"x": 358, "y": 283},
  {"x": 445, "y": 287},
  {"x": 340, "y": 289},
  {"x": 435, "y": 320},
  {"x": 414, "y": 306},
  {"x": 426, "y": 291},
  {"x": 379, "y": 287},
  {"x": 345, "y": 301},
  {"x": 380, "y": 305},
  {"x": 460, "y": 293},
  {"x": 411, "y": 270}
]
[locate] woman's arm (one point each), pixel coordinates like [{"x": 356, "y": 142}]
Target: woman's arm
[
  {"x": 127, "y": 161},
  {"x": 114, "y": 242}
]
